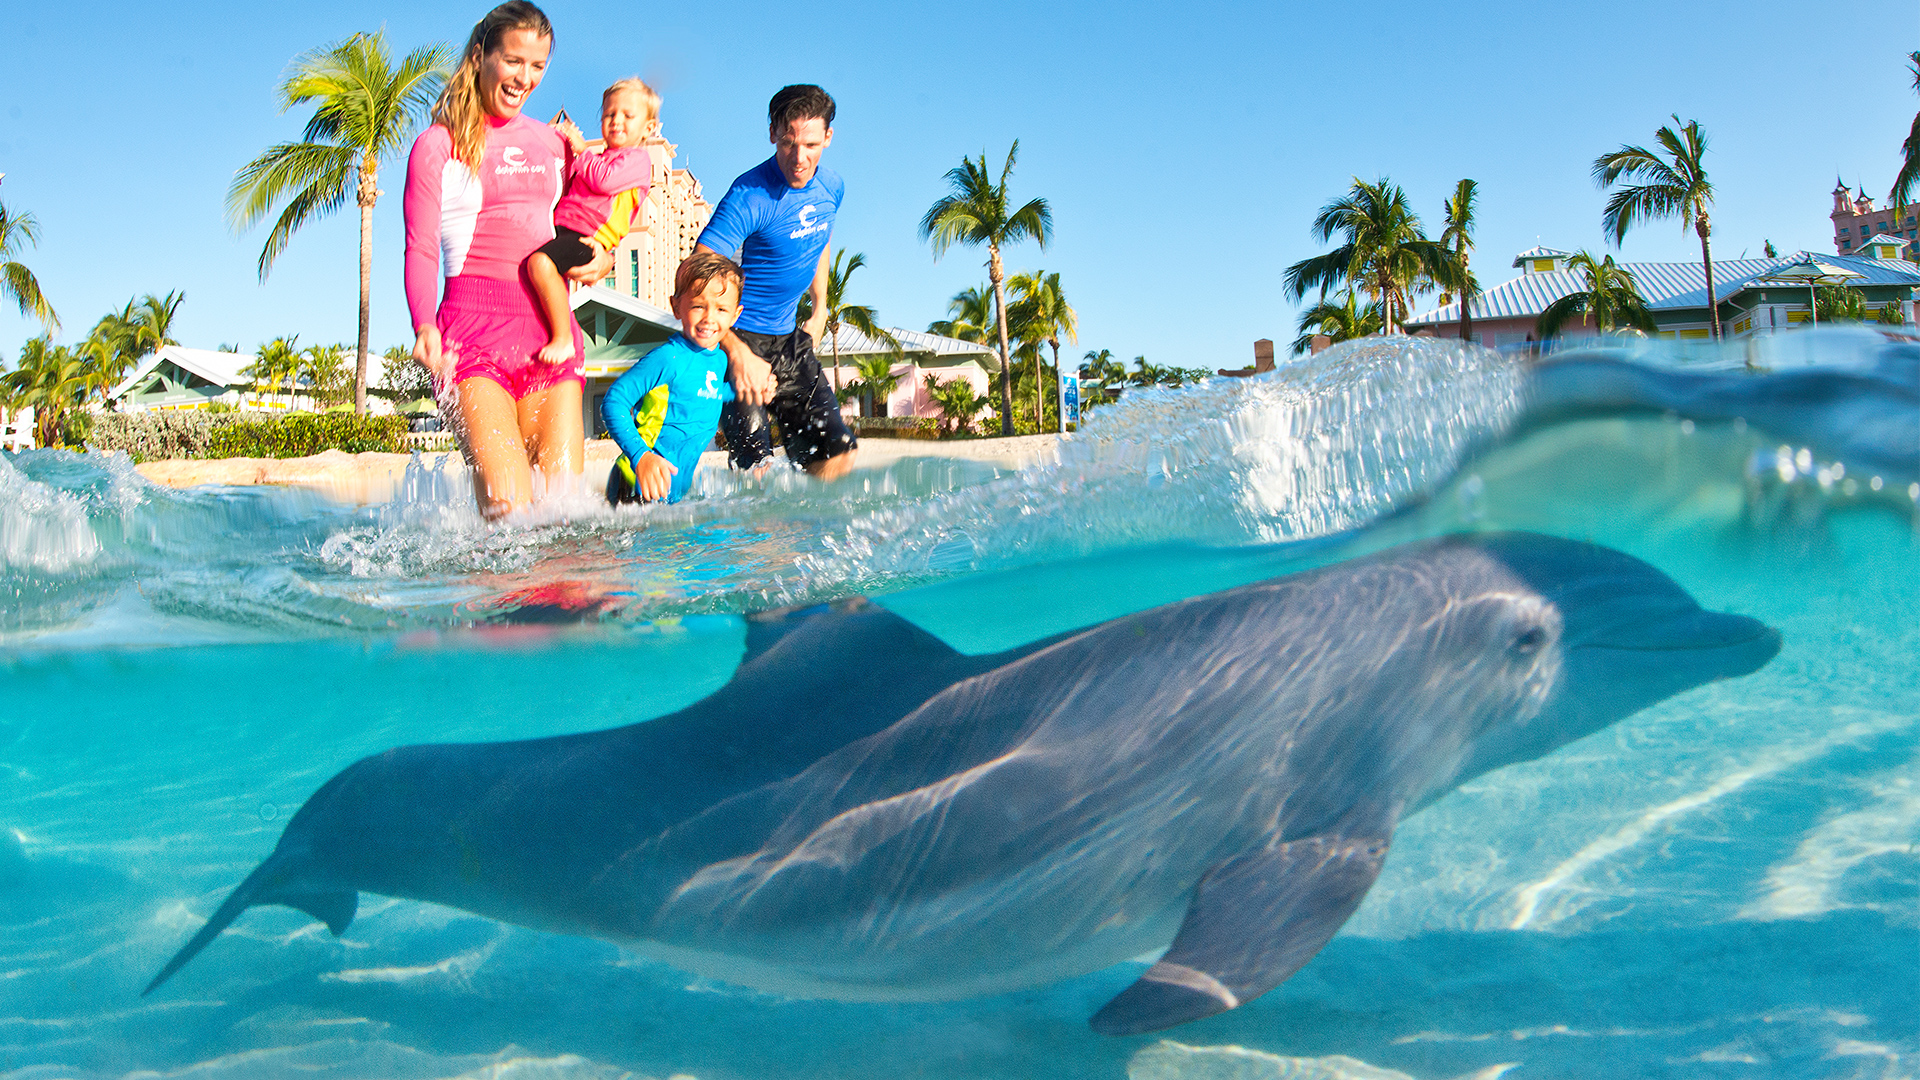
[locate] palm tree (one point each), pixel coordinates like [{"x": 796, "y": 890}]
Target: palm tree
[
  {"x": 972, "y": 311},
  {"x": 1343, "y": 321},
  {"x": 16, "y": 281},
  {"x": 1909, "y": 175},
  {"x": 366, "y": 111},
  {"x": 1099, "y": 368},
  {"x": 1612, "y": 298},
  {"x": 839, "y": 312},
  {"x": 876, "y": 381},
  {"x": 143, "y": 326},
  {"x": 49, "y": 380},
  {"x": 1145, "y": 374},
  {"x": 1457, "y": 238},
  {"x": 277, "y": 362},
  {"x": 978, "y": 211},
  {"x": 1045, "y": 316},
  {"x": 1676, "y": 186},
  {"x": 1386, "y": 253},
  {"x": 959, "y": 402}
]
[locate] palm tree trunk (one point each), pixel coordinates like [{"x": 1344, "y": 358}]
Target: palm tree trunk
[
  {"x": 1466, "y": 301},
  {"x": 998, "y": 279},
  {"x": 367, "y": 196},
  {"x": 833, "y": 331},
  {"x": 1059, "y": 418},
  {"x": 1705, "y": 229}
]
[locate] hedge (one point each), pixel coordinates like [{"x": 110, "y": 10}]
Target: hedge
[
  {"x": 896, "y": 427},
  {"x": 303, "y": 434},
  {"x": 158, "y": 435}
]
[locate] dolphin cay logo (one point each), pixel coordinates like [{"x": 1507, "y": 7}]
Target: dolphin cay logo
[
  {"x": 808, "y": 226},
  {"x": 712, "y": 389},
  {"x": 513, "y": 160}
]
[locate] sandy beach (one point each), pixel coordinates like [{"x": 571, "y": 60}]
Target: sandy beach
[{"x": 371, "y": 477}]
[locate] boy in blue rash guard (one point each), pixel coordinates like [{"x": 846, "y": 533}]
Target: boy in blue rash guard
[
  {"x": 779, "y": 216},
  {"x": 663, "y": 411}
]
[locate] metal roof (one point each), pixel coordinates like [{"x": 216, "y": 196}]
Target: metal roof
[
  {"x": 1885, "y": 238},
  {"x": 1665, "y": 286},
  {"x": 219, "y": 368},
  {"x": 1541, "y": 253},
  {"x": 921, "y": 346}
]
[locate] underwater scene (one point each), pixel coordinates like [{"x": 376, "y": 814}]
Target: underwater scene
[{"x": 1413, "y": 711}]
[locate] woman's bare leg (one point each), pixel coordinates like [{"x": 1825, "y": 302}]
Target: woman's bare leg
[
  {"x": 496, "y": 449},
  {"x": 553, "y": 431}
]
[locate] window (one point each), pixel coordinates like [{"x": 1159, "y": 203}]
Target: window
[
  {"x": 1844, "y": 230},
  {"x": 633, "y": 259}
]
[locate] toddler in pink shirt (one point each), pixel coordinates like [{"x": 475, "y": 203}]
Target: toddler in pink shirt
[{"x": 603, "y": 197}]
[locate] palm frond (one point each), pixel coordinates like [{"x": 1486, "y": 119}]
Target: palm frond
[
  {"x": 282, "y": 171},
  {"x": 311, "y": 202},
  {"x": 19, "y": 283}
]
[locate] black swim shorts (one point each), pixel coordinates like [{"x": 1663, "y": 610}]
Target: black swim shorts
[
  {"x": 803, "y": 405},
  {"x": 567, "y": 249}
]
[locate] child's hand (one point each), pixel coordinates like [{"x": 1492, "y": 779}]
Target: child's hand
[
  {"x": 570, "y": 131},
  {"x": 653, "y": 476}
]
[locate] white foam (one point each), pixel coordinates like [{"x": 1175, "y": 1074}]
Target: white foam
[{"x": 42, "y": 528}]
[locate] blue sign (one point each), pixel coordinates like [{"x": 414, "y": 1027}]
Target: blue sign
[{"x": 1069, "y": 400}]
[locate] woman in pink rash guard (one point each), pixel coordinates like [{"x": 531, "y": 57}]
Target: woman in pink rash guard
[{"x": 481, "y": 187}]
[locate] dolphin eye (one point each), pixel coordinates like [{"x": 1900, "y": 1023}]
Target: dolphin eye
[{"x": 1528, "y": 641}]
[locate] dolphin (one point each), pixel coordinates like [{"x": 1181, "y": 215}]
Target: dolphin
[{"x": 864, "y": 813}]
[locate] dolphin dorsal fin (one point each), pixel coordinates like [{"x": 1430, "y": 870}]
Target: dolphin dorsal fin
[
  {"x": 1255, "y": 920},
  {"x": 768, "y": 628}
]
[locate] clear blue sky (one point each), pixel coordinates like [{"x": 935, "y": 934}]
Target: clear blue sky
[{"x": 1184, "y": 148}]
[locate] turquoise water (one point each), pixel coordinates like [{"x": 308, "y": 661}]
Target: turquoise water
[{"x": 1727, "y": 884}]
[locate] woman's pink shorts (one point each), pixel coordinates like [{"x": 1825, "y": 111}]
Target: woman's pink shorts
[{"x": 496, "y": 332}]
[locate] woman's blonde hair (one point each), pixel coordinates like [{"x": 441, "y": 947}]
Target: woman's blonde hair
[
  {"x": 634, "y": 85},
  {"x": 460, "y": 109}
]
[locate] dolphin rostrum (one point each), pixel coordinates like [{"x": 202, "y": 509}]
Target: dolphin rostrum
[{"x": 863, "y": 813}]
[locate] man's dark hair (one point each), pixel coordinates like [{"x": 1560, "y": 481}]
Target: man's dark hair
[{"x": 801, "y": 102}]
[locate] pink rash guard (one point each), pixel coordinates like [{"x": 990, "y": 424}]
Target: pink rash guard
[
  {"x": 594, "y": 179},
  {"x": 482, "y": 228}
]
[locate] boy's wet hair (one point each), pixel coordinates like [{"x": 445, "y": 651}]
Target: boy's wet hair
[
  {"x": 803, "y": 101},
  {"x": 700, "y": 268}
]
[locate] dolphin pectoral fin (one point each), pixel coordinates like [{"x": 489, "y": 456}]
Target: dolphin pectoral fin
[
  {"x": 336, "y": 909},
  {"x": 1255, "y": 920},
  {"x": 268, "y": 884}
]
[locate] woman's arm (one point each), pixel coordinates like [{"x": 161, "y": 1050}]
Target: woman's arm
[{"x": 420, "y": 207}]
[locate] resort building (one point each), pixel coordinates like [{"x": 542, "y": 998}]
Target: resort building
[
  {"x": 1857, "y": 223},
  {"x": 621, "y": 329},
  {"x": 1676, "y": 295},
  {"x": 177, "y": 377}
]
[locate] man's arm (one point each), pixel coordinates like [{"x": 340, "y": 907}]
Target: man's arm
[
  {"x": 751, "y": 376},
  {"x": 817, "y": 322}
]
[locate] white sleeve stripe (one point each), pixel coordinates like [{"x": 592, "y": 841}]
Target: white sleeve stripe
[{"x": 460, "y": 199}]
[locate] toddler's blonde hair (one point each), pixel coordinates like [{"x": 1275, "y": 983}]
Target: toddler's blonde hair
[{"x": 637, "y": 86}]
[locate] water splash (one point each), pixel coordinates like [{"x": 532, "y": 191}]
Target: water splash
[{"x": 1315, "y": 448}]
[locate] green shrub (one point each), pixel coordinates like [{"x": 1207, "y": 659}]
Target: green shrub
[
  {"x": 159, "y": 435},
  {"x": 156, "y": 435},
  {"x": 896, "y": 427},
  {"x": 304, "y": 434}
]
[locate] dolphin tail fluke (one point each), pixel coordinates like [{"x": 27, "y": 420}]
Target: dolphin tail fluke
[
  {"x": 1255, "y": 920},
  {"x": 268, "y": 884}
]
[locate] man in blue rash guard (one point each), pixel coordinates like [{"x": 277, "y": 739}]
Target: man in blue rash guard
[
  {"x": 663, "y": 410},
  {"x": 779, "y": 216}
]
